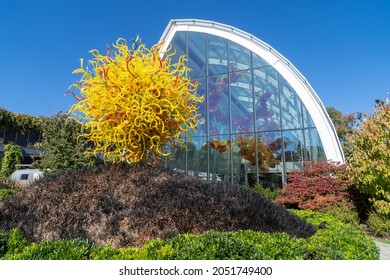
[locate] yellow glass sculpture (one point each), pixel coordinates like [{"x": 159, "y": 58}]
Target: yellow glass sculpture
[{"x": 132, "y": 102}]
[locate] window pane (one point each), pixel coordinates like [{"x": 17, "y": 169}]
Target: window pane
[
  {"x": 308, "y": 121},
  {"x": 10, "y": 136},
  {"x": 33, "y": 138},
  {"x": 217, "y": 55},
  {"x": 266, "y": 94},
  {"x": 291, "y": 106},
  {"x": 314, "y": 148},
  {"x": 218, "y": 105},
  {"x": 241, "y": 101},
  {"x": 219, "y": 157},
  {"x": 258, "y": 62},
  {"x": 270, "y": 149},
  {"x": 197, "y": 54},
  {"x": 294, "y": 149},
  {"x": 197, "y": 157},
  {"x": 202, "y": 108},
  {"x": 244, "y": 167},
  {"x": 179, "y": 45},
  {"x": 239, "y": 57}
]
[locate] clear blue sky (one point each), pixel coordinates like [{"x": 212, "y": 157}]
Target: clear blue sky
[{"x": 341, "y": 46}]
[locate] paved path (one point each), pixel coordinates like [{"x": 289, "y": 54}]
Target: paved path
[{"x": 384, "y": 249}]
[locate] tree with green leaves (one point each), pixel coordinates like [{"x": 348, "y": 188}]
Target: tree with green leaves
[
  {"x": 13, "y": 155},
  {"x": 64, "y": 147},
  {"x": 369, "y": 162},
  {"x": 344, "y": 125}
]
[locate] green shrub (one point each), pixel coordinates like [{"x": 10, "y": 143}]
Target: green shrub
[
  {"x": 4, "y": 193},
  {"x": 269, "y": 193},
  {"x": 14, "y": 242},
  {"x": 77, "y": 249},
  {"x": 335, "y": 241},
  {"x": 379, "y": 224},
  {"x": 3, "y": 243},
  {"x": 344, "y": 214},
  {"x": 12, "y": 155}
]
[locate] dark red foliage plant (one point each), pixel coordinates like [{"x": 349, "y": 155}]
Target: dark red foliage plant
[{"x": 317, "y": 186}]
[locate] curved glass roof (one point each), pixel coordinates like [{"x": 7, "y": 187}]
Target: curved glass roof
[{"x": 261, "y": 115}]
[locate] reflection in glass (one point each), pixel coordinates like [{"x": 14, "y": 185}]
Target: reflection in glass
[
  {"x": 239, "y": 57},
  {"x": 243, "y": 168},
  {"x": 197, "y": 157},
  {"x": 290, "y": 105},
  {"x": 179, "y": 45},
  {"x": 258, "y": 62},
  {"x": 202, "y": 107},
  {"x": 241, "y": 101},
  {"x": 197, "y": 55},
  {"x": 217, "y": 55},
  {"x": 219, "y": 116},
  {"x": 307, "y": 120},
  {"x": 295, "y": 149},
  {"x": 219, "y": 157},
  {"x": 266, "y": 96},
  {"x": 314, "y": 148}
]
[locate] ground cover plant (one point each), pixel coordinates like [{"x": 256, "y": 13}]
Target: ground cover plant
[
  {"x": 128, "y": 205},
  {"x": 335, "y": 240}
]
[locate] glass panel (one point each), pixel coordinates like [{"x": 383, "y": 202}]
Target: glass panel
[
  {"x": 217, "y": 55},
  {"x": 179, "y": 44},
  {"x": 294, "y": 151},
  {"x": 218, "y": 105},
  {"x": 10, "y": 136},
  {"x": 33, "y": 138},
  {"x": 202, "y": 108},
  {"x": 314, "y": 148},
  {"x": 239, "y": 57},
  {"x": 266, "y": 94},
  {"x": 177, "y": 159},
  {"x": 241, "y": 101},
  {"x": 307, "y": 120},
  {"x": 197, "y": 157},
  {"x": 258, "y": 62},
  {"x": 244, "y": 167},
  {"x": 21, "y": 139},
  {"x": 291, "y": 106},
  {"x": 197, "y": 54},
  {"x": 219, "y": 156}
]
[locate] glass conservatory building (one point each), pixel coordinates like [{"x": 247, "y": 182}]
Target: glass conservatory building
[{"x": 261, "y": 117}]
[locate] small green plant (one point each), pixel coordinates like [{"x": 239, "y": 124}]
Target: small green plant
[
  {"x": 5, "y": 193},
  {"x": 76, "y": 249},
  {"x": 344, "y": 214},
  {"x": 379, "y": 224},
  {"x": 269, "y": 193},
  {"x": 13, "y": 155}
]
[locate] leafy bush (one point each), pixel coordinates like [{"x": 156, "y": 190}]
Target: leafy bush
[
  {"x": 369, "y": 162},
  {"x": 12, "y": 242},
  {"x": 345, "y": 214},
  {"x": 335, "y": 241},
  {"x": 4, "y": 193},
  {"x": 379, "y": 224},
  {"x": 77, "y": 249},
  {"x": 316, "y": 187},
  {"x": 271, "y": 194},
  {"x": 12, "y": 155}
]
